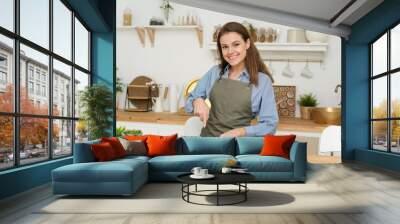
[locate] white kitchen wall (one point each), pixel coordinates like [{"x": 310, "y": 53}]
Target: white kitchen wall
[{"x": 177, "y": 57}]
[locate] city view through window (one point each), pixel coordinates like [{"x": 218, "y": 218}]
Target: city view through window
[
  {"x": 32, "y": 130},
  {"x": 385, "y": 82}
]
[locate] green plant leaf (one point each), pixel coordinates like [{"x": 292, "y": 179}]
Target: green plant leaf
[{"x": 308, "y": 100}]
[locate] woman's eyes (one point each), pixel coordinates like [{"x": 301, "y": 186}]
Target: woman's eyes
[{"x": 235, "y": 44}]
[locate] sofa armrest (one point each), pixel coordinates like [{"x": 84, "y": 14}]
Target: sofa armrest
[
  {"x": 83, "y": 152},
  {"x": 298, "y": 155}
]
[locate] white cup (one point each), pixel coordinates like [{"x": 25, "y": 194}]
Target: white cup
[
  {"x": 196, "y": 171},
  {"x": 203, "y": 172},
  {"x": 226, "y": 170}
]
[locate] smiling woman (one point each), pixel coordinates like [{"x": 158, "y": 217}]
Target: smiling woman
[{"x": 239, "y": 89}]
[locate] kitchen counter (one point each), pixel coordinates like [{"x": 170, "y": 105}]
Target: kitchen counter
[{"x": 285, "y": 124}]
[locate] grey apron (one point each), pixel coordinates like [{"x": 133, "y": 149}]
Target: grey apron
[{"x": 230, "y": 107}]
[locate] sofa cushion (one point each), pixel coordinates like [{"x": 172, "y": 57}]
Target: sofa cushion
[
  {"x": 257, "y": 163},
  {"x": 103, "y": 152},
  {"x": 195, "y": 145},
  {"x": 112, "y": 171},
  {"x": 158, "y": 145},
  {"x": 116, "y": 145},
  {"x": 277, "y": 145},
  {"x": 185, "y": 163},
  {"x": 134, "y": 147},
  {"x": 249, "y": 145}
]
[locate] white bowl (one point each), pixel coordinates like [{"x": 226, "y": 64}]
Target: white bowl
[{"x": 315, "y": 37}]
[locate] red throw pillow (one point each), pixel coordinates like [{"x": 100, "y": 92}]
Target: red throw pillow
[
  {"x": 161, "y": 145},
  {"x": 116, "y": 145},
  {"x": 277, "y": 145},
  {"x": 103, "y": 152}
]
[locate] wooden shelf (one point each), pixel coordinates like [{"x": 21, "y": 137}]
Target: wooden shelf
[
  {"x": 287, "y": 51},
  {"x": 139, "y": 31},
  {"x": 139, "y": 97},
  {"x": 151, "y": 32}
]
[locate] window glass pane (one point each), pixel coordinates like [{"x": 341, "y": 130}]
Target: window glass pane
[
  {"x": 81, "y": 45},
  {"x": 395, "y": 94},
  {"x": 395, "y": 136},
  {"x": 62, "y": 89},
  {"x": 395, "y": 47},
  {"x": 81, "y": 81},
  {"x": 7, "y": 14},
  {"x": 379, "y": 55},
  {"x": 81, "y": 131},
  {"x": 379, "y": 135},
  {"x": 34, "y": 82},
  {"x": 62, "y": 138},
  {"x": 33, "y": 139},
  {"x": 62, "y": 29},
  {"x": 35, "y": 21},
  {"x": 6, "y": 75},
  {"x": 379, "y": 97},
  {"x": 6, "y": 142}
]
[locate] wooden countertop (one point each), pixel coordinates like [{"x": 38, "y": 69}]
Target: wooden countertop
[{"x": 285, "y": 124}]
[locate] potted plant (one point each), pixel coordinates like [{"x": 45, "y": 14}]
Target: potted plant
[
  {"x": 307, "y": 103},
  {"x": 167, "y": 8},
  {"x": 96, "y": 102},
  {"x": 122, "y": 131}
]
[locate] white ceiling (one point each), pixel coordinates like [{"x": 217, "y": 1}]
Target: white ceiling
[
  {"x": 314, "y": 15},
  {"x": 319, "y": 9}
]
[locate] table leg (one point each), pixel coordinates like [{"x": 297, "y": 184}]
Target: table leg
[
  {"x": 245, "y": 193},
  {"x": 217, "y": 194},
  {"x": 196, "y": 188}
]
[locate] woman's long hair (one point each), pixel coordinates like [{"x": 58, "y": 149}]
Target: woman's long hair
[{"x": 253, "y": 61}]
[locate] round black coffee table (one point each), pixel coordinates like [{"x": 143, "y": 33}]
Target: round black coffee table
[{"x": 238, "y": 179}]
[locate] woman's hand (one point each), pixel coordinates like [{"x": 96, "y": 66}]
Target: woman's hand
[
  {"x": 237, "y": 132},
  {"x": 201, "y": 109}
]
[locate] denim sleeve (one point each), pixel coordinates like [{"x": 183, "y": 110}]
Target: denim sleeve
[
  {"x": 268, "y": 115},
  {"x": 201, "y": 90}
]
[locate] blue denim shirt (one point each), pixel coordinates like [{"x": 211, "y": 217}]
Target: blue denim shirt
[{"x": 262, "y": 99}]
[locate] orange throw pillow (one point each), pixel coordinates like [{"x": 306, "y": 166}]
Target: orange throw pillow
[
  {"x": 277, "y": 145},
  {"x": 161, "y": 145},
  {"x": 116, "y": 145},
  {"x": 103, "y": 152}
]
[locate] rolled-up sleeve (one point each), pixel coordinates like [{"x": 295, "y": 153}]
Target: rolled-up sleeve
[
  {"x": 201, "y": 90},
  {"x": 268, "y": 115}
]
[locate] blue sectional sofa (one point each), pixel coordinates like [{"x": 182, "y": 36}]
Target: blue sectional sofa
[{"x": 125, "y": 176}]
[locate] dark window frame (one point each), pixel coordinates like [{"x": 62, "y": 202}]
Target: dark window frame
[
  {"x": 16, "y": 114},
  {"x": 388, "y": 74}
]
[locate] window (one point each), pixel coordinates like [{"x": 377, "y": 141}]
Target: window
[
  {"x": 3, "y": 71},
  {"x": 62, "y": 29},
  {"x": 30, "y": 87},
  {"x": 385, "y": 94},
  {"x": 30, "y": 72},
  {"x": 7, "y": 14},
  {"x": 45, "y": 131},
  {"x": 35, "y": 22},
  {"x": 44, "y": 91},
  {"x": 3, "y": 78},
  {"x": 81, "y": 45},
  {"x": 38, "y": 89}
]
